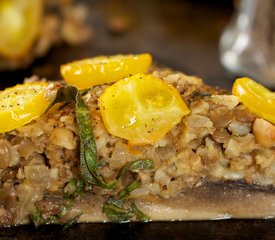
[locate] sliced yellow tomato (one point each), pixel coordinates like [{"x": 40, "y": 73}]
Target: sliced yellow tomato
[
  {"x": 20, "y": 21},
  {"x": 102, "y": 69},
  {"x": 141, "y": 109},
  {"x": 21, "y": 104},
  {"x": 256, "y": 98}
]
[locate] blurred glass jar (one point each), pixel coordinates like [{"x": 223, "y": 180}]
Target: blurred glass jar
[{"x": 247, "y": 45}]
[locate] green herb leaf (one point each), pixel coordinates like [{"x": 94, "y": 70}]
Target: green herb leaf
[
  {"x": 73, "y": 189},
  {"x": 70, "y": 188},
  {"x": 88, "y": 152},
  {"x": 64, "y": 94},
  {"x": 54, "y": 217},
  {"x": 139, "y": 214},
  {"x": 88, "y": 163},
  {"x": 39, "y": 219},
  {"x": 143, "y": 164},
  {"x": 71, "y": 222},
  {"x": 114, "y": 210},
  {"x": 131, "y": 187},
  {"x": 36, "y": 217},
  {"x": 117, "y": 212}
]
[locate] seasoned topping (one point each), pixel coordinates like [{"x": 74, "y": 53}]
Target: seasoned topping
[
  {"x": 102, "y": 69},
  {"x": 141, "y": 108},
  {"x": 229, "y": 101},
  {"x": 21, "y": 104},
  {"x": 19, "y": 25},
  {"x": 77, "y": 152},
  {"x": 256, "y": 98}
]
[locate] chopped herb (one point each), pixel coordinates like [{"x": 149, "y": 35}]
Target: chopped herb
[
  {"x": 73, "y": 189},
  {"x": 64, "y": 94},
  {"x": 139, "y": 214},
  {"x": 54, "y": 217},
  {"x": 116, "y": 209},
  {"x": 71, "y": 222},
  {"x": 36, "y": 217},
  {"x": 88, "y": 153},
  {"x": 143, "y": 164},
  {"x": 201, "y": 94},
  {"x": 123, "y": 210},
  {"x": 131, "y": 187},
  {"x": 116, "y": 212}
]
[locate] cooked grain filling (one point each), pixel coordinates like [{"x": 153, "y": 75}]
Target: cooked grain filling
[{"x": 216, "y": 141}]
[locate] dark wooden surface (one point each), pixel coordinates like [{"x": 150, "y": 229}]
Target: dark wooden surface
[
  {"x": 183, "y": 35},
  {"x": 200, "y": 230}
]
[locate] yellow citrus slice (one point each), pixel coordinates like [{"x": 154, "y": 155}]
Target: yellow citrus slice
[
  {"x": 21, "y": 104},
  {"x": 19, "y": 25},
  {"x": 102, "y": 69},
  {"x": 141, "y": 109},
  {"x": 256, "y": 98}
]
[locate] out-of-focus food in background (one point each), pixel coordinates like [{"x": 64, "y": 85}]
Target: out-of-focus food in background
[
  {"x": 162, "y": 28},
  {"x": 30, "y": 28}
]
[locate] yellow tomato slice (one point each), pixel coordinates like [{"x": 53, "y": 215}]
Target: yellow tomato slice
[
  {"x": 141, "y": 109},
  {"x": 21, "y": 104},
  {"x": 256, "y": 98},
  {"x": 19, "y": 25},
  {"x": 102, "y": 69}
]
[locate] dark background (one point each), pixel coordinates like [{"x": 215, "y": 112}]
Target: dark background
[
  {"x": 181, "y": 34},
  {"x": 190, "y": 230}
]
